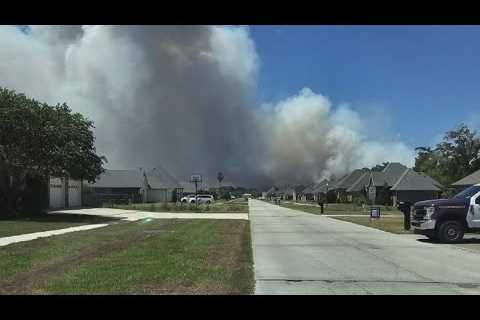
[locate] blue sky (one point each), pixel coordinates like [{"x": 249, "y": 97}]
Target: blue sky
[{"x": 425, "y": 78}]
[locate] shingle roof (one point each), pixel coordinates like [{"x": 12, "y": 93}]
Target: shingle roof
[
  {"x": 378, "y": 178},
  {"x": 119, "y": 179},
  {"x": 393, "y": 171},
  {"x": 350, "y": 179},
  {"x": 321, "y": 187},
  {"x": 414, "y": 181},
  {"x": 159, "y": 178},
  {"x": 469, "y": 180},
  {"x": 361, "y": 182},
  {"x": 308, "y": 189}
]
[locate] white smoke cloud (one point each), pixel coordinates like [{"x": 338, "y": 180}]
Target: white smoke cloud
[
  {"x": 183, "y": 97},
  {"x": 309, "y": 140}
]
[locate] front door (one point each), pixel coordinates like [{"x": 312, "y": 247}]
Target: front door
[{"x": 474, "y": 212}]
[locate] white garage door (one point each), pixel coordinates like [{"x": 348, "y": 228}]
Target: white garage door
[
  {"x": 57, "y": 193},
  {"x": 74, "y": 193}
]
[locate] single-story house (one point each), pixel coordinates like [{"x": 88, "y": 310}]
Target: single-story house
[
  {"x": 341, "y": 186},
  {"x": 380, "y": 182},
  {"x": 128, "y": 185},
  {"x": 307, "y": 193},
  {"x": 314, "y": 191},
  {"x": 359, "y": 188},
  {"x": 396, "y": 183},
  {"x": 415, "y": 186},
  {"x": 161, "y": 186},
  {"x": 155, "y": 185},
  {"x": 469, "y": 180},
  {"x": 289, "y": 192}
]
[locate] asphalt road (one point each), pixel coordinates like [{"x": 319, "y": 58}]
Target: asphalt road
[{"x": 301, "y": 253}]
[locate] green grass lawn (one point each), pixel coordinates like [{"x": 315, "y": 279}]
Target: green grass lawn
[
  {"x": 234, "y": 206},
  {"x": 390, "y": 224},
  {"x": 337, "y": 208},
  {"x": 45, "y": 222},
  {"x": 143, "y": 257}
]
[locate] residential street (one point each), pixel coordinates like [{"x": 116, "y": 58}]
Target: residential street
[{"x": 301, "y": 253}]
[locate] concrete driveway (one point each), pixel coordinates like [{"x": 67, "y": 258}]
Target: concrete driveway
[
  {"x": 134, "y": 215},
  {"x": 300, "y": 253}
]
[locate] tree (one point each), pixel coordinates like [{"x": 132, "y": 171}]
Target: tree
[
  {"x": 220, "y": 178},
  {"x": 38, "y": 140},
  {"x": 455, "y": 157}
]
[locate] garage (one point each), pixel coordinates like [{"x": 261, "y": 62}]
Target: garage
[
  {"x": 74, "y": 193},
  {"x": 57, "y": 193},
  {"x": 62, "y": 197}
]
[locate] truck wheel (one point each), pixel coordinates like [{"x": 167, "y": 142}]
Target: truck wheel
[{"x": 450, "y": 231}]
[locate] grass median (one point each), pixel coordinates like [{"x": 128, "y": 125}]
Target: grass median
[
  {"x": 393, "y": 224},
  {"x": 338, "y": 208},
  {"x": 143, "y": 257}
]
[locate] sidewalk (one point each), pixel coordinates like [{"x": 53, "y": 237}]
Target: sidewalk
[{"x": 32, "y": 236}]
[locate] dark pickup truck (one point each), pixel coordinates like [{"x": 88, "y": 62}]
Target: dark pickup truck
[{"x": 448, "y": 219}]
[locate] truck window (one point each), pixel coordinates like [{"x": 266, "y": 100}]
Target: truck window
[{"x": 467, "y": 193}]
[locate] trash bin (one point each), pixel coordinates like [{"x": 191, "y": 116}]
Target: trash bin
[{"x": 405, "y": 207}]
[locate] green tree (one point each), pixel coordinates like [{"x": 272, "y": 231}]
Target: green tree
[
  {"x": 38, "y": 140},
  {"x": 455, "y": 157}
]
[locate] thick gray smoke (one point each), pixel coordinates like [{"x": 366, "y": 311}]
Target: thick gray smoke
[{"x": 184, "y": 97}]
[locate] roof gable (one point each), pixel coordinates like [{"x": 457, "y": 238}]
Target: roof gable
[
  {"x": 159, "y": 178},
  {"x": 350, "y": 179},
  {"x": 360, "y": 183},
  {"x": 393, "y": 171},
  {"x": 471, "y": 179},
  {"x": 119, "y": 179},
  {"x": 378, "y": 178},
  {"x": 321, "y": 187},
  {"x": 414, "y": 181}
]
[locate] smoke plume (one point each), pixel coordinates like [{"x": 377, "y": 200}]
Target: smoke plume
[{"x": 184, "y": 97}]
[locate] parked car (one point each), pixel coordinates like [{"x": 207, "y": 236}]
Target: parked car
[
  {"x": 448, "y": 219},
  {"x": 201, "y": 198}
]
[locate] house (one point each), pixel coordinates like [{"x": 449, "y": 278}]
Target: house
[
  {"x": 396, "y": 183},
  {"x": 161, "y": 186},
  {"x": 128, "y": 185},
  {"x": 415, "y": 186},
  {"x": 469, "y": 180},
  {"x": 342, "y": 185},
  {"x": 378, "y": 188},
  {"x": 313, "y": 192},
  {"x": 307, "y": 193},
  {"x": 272, "y": 192},
  {"x": 289, "y": 192},
  {"x": 358, "y": 190}
]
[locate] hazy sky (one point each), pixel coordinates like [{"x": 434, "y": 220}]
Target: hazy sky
[
  {"x": 425, "y": 78},
  {"x": 263, "y": 104}
]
